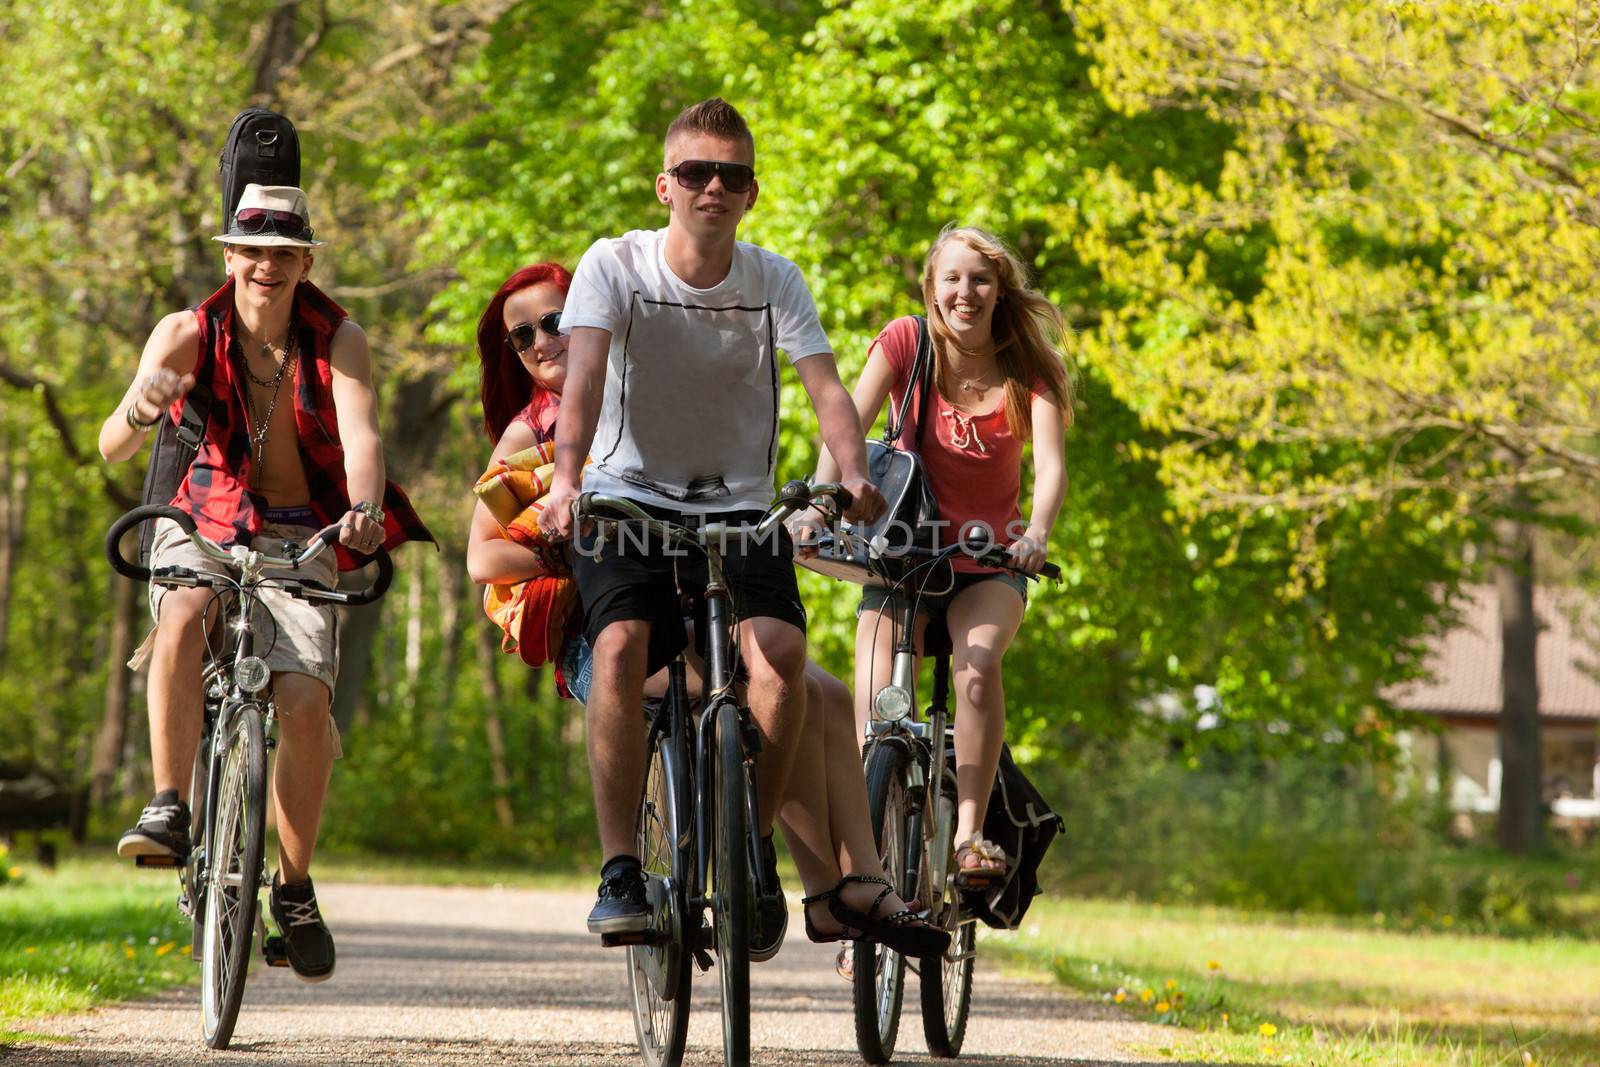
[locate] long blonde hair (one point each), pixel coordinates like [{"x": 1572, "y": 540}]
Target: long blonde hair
[{"x": 1027, "y": 328}]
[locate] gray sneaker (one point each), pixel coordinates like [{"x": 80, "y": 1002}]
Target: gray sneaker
[{"x": 162, "y": 830}]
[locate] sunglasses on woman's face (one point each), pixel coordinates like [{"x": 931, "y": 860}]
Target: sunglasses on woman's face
[
  {"x": 521, "y": 335},
  {"x": 697, "y": 174}
]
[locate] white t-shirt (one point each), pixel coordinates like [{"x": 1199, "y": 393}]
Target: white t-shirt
[{"x": 690, "y": 414}]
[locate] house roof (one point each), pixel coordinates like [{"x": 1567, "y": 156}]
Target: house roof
[{"x": 1465, "y": 662}]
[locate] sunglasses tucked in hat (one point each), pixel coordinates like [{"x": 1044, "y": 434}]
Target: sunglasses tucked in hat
[{"x": 271, "y": 215}]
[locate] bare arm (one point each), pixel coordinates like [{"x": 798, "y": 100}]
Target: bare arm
[
  {"x": 842, "y": 435},
  {"x": 491, "y": 556},
  {"x": 585, "y": 387},
  {"x": 1049, "y": 483},
  {"x": 870, "y": 392},
  {"x": 166, "y": 372},
  {"x": 356, "y": 407}
]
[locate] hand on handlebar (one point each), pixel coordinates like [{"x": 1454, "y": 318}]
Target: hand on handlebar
[
  {"x": 556, "y": 518},
  {"x": 867, "y": 504},
  {"x": 805, "y": 527},
  {"x": 359, "y": 533},
  {"x": 1027, "y": 553}
]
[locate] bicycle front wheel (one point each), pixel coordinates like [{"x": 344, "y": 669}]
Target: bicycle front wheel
[
  {"x": 658, "y": 972},
  {"x": 233, "y": 873},
  {"x": 947, "y": 981},
  {"x": 880, "y": 971},
  {"x": 731, "y": 905}
]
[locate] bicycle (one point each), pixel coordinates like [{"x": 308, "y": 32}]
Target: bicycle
[
  {"x": 698, "y": 839},
  {"x": 220, "y": 878},
  {"x": 910, "y": 773}
]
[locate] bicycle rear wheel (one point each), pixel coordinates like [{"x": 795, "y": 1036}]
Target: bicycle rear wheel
[
  {"x": 233, "y": 873},
  {"x": 731, "y": 905},
  {"x": 947, "y": 982},
  {"x": 658, "y": 973},
  {"x": 880, "y": 971}
]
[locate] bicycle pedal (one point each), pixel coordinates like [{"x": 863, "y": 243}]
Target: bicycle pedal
[
  {"x": 702, "y": 958},
  {"x": 631, "y": 937},
  {"x": 164, "y": 862},
  {"x": 275, "y": 952}
]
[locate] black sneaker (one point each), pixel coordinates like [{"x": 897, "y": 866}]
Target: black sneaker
[
  {"x": 772, "y": 913},
  {"x": 621, "y": 906},
  {"x": 306, "y": 940},
  {"x": 162, "y": 830}
]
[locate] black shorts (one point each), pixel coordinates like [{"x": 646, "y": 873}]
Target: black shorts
[{"x": 631, "y": 577}]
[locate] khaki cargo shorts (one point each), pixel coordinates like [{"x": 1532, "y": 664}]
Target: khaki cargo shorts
[{"x": 292, "y": 635}]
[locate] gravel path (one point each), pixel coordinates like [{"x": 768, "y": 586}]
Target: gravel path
[{"x": 500, "y": 976}]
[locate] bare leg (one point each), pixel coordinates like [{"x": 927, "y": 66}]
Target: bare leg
[
  {"x": 176, "y": 705},
  {"x": 775, "y": 656},
  {"x": 616, "y": 741},
  {"x": 301, "y": 769},
  {"x": 875, "y": 640},
  {"x": 983, "y": 619}
]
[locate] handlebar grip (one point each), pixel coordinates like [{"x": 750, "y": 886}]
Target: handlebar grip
[
  {"x": 328, "y": 537},
  {"x": 845, "y": 498},
  {"x": 133, "y": 518},
  {"x": 1050, "y": 571},
  {"x": 378, "y": 587}
]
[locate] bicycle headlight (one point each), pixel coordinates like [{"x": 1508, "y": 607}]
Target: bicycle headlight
[
  {"x": 892, "y": 702},
  {"x": 252, "y": 674}
]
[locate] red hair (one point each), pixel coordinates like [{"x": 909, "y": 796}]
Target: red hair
[{"x": 507, "y": 386}]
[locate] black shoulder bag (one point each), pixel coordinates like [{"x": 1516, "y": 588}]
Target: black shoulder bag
[{"x": 872, "y": 554}]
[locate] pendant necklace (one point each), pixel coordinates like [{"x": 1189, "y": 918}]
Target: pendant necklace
[{"x": 258, "y": 433}]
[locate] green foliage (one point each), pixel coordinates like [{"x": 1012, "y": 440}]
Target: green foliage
[{"x": 1241, "y": 828}]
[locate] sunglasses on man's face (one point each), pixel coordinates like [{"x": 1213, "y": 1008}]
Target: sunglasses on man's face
[
  {"x": 522, "y": 336},
  {"x": 261, "y": 220},
  {"x": 697, "y": 174}
]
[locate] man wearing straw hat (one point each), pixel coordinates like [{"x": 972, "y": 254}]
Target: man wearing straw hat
[{"x": 291, "y": 441}]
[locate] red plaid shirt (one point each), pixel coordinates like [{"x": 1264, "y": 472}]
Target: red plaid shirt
[{"x": 216, "y": 488}]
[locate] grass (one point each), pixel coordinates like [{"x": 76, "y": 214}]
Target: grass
[
  {"x": 84, "y": 934},
  {"x": 1254, "y": 988}
]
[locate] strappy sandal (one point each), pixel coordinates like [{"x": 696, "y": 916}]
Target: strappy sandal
[
  {"x": 821, "y": 937},
  {"x": 993, "y": 864},
  {"x": 905, "y": 931}
]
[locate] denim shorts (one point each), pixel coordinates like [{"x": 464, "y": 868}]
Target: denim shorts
[
  {"x": 577, "y": 667},
  {"x": 936, "y": 605}
]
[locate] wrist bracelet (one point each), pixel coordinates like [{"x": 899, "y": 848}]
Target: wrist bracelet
[
  {"x": 133, "y": 420},
  {"x": 370, "y": 510}
]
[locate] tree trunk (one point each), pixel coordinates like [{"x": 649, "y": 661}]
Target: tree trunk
[
  {"x": 13, "y": 516},
  {"x": 358, "y": 628},
  {"x": 452, "y": 579},
  {"x": 494, "y": 729},
  {"x": 1520, "y": 828},
  {"x": 111, "y": 738}
]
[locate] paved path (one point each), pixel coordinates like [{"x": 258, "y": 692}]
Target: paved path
[{"x": 490, "y": 976}]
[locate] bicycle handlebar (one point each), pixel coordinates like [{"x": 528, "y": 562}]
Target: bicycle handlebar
[
  {"x": 321, "y": 541},
  {"x": 992, "y": 556},
  {"x": 791, "y": 498}
]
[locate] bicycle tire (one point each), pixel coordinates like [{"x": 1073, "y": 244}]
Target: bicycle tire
[
  {"x": 879, "y": 971},
  {"x": 732, "y": 908},
  {"x": 659, "y": 975},
  {"x": 194, "y": 866},
  {"x": 947, "y": 988},
  {"x": 234, "y": 843}
]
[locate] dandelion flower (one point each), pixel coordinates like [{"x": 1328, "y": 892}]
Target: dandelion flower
[
  {"x": 1224, "y": 1018},
  {"x": 1172, "y": 983},
  {"x": 1121, "y": 996},
  {"x": 1147, "y": 994},
  {"x": 1267, "y": 1029},
  {"x": 127, "y": 951},
  {"x": 165, "y": 947},
  {"x": 15, "y": 872},
  {"x": 1164, "y": 1007},
  {"x": 31, "y": 949},
  {"x": 1213, "y": 965}
]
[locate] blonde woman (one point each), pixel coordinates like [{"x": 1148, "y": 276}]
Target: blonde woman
[{"x": 999, "y": 382}]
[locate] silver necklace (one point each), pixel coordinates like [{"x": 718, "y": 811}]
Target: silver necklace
[{"x": 263, "y": 423}]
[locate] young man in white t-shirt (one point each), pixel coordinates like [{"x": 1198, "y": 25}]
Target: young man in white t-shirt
[{"x": 672, "y": 389}]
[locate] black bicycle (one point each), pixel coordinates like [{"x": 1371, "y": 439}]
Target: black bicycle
[
  {"x": 220, "y": 878},
  {"x": 911, "y": 794},
  {"x": 698, "y": 838}
]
